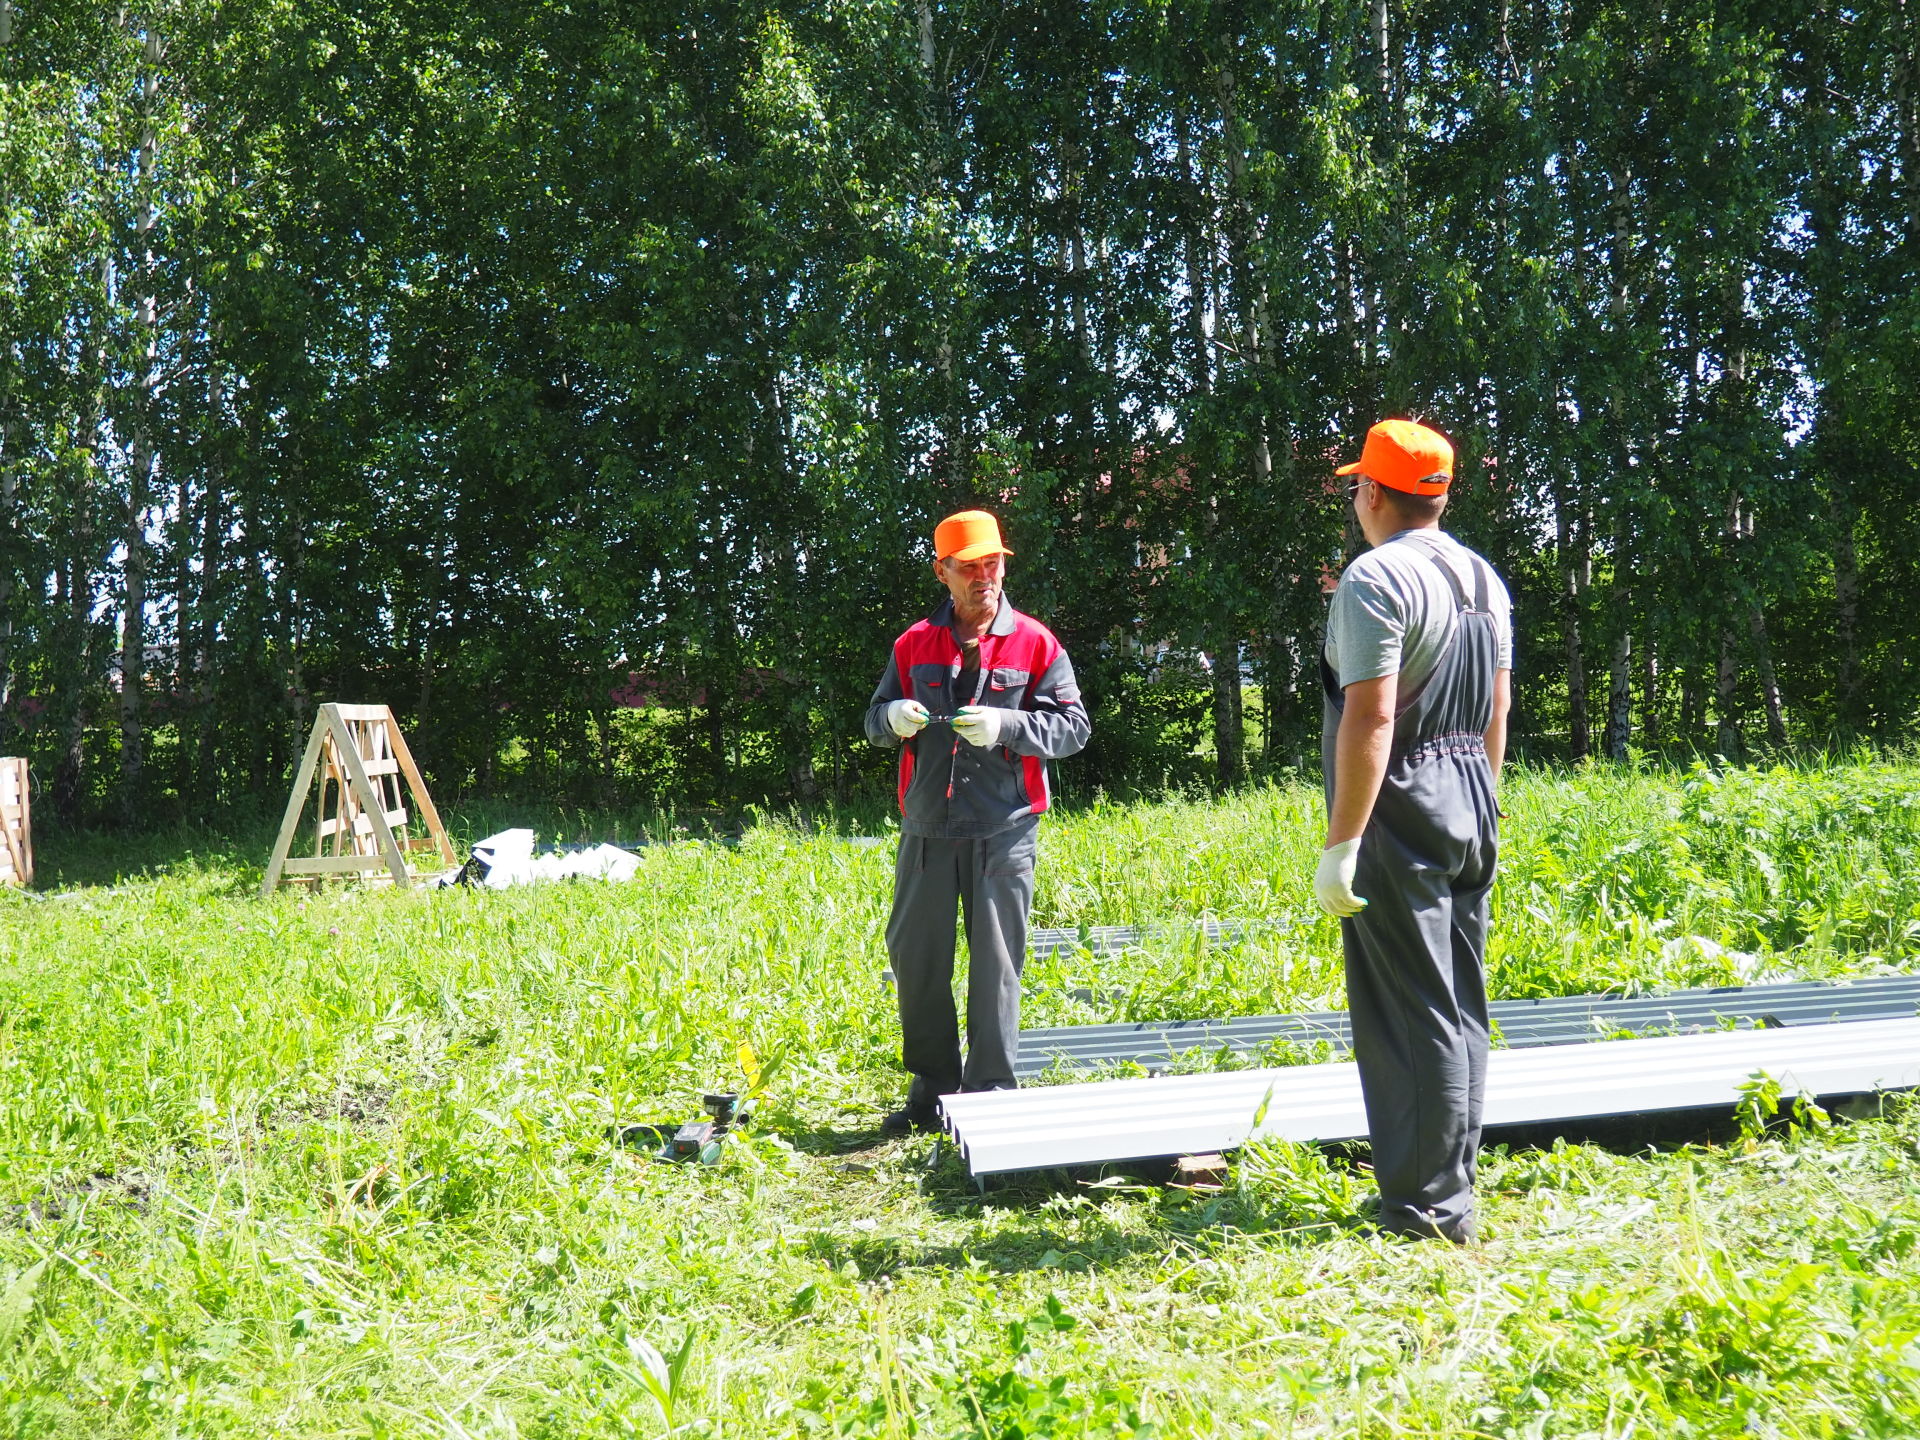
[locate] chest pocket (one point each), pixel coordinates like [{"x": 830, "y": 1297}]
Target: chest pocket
[
  {"x": 932, "y": 686},
  {"x": 1007, "y": 687}
]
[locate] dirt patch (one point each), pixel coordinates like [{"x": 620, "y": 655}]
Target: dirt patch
[
  {"x": 133, "y": 1189},
  {"x": 361, "y": 1106}
]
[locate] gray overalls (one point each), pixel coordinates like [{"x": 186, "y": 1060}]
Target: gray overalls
[{"x": 1416, "y": 978}]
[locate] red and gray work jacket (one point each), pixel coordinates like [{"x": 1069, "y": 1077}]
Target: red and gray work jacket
[{"x": 952, "y": 790}]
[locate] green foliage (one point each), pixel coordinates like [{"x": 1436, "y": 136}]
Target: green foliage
[
  {"x": 1624, "y": 877},
  {"x": 583, "y": 379},
  {"x": 352, "y": 1162}
]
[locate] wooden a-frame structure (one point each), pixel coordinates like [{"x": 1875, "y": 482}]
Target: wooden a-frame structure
[{"x": 361, "y": 760}]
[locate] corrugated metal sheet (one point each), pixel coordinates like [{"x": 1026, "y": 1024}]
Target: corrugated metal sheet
[
  {"x": 1107, "y": 939},
  {"x": 1109, "y": 1120},
  {"x": 1520, "y": 1024}
]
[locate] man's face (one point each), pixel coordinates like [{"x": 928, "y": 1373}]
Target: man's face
[
  {"x": 1368, "y": 509},
  {"x": 974, "y": 584}
]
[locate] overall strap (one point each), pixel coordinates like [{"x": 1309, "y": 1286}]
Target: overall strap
[{"x": 1482, "y": 593}]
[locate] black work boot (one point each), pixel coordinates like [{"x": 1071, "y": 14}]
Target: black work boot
[{"x": 911, "y": 1117}]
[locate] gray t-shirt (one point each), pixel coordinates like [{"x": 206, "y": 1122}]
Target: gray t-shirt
[{"x": 1394, "y": 611}]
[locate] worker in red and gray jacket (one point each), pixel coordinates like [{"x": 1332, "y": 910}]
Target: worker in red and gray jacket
[{"x": 977, "y": 697}]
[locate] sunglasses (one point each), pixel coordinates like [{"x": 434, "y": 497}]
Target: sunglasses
[{"x": 1353, "y": 487}]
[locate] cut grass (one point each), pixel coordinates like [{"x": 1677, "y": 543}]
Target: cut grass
[{"x": 344, "y": 1165}]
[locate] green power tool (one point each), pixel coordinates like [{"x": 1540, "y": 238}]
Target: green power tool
[{"x": 700, "y": 1140}]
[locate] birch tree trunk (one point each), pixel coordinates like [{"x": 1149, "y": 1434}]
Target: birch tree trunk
[
  {"x": 9, "y": 547},
  {"x": 1618, "y": 731},
  {"x": 1249, "y": 293},
  {"x": 955, "y": 459},
  {"x": 1846, "y": 610},
  {"x": 1737, "y": 531},
  {"x": 1249, "y": 284},
  {"x": 1769, "y": 685},
  {"x": 1727, "y": 675},
  {"x": 143, "y": 458},
  {"x": 9, "y": 475},
  {"x": 1649, "y": 694},
  {"x": 1198, "y": 285},
  {"x": 1382, "y": 53},
  {"x": 1619, "y": 728},
  {"x": 1229, "y": 714},
  {"x": 1906, "y": 91},
  {"x": 1726, "y": 740},
  {"x": 1573, "y": 569},
  {"x": 1693, "y": 703},
  {"x": 213, "y": 527}
]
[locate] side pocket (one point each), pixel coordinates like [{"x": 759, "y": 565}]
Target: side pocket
[
  {"x": 1013, "y": 852},
  {"x": 912, "y": 856}
]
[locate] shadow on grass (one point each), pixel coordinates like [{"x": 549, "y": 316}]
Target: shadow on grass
[
  {"x": 236, "y": 844},
  {"x": 1026, "y": 1243},
  {"x": 829, "y": 1142},
  {"x": 231, "y": 859}
]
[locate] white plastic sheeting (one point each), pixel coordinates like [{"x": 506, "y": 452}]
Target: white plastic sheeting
[
  {"x": 1005, "y": 1130},
  {"x": 508, "y": 859}
]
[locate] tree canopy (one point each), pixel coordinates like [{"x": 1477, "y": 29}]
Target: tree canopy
[{"x": 584, "y": 379}]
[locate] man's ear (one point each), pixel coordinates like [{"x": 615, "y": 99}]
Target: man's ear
[{"x": 938, "y": 573}]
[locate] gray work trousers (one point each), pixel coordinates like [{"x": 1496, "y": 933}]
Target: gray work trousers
[
  {"x": 991, "y": 879},
  {"x": 1417, "y": 990}
]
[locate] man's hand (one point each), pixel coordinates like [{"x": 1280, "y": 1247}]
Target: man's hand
[
  {"x": 1333, "y": 881},
  {"x": 979, "y": 724},
  {"x": 906, "y": 718}
]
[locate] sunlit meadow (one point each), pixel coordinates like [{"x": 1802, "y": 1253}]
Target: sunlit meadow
[{"x": 350, "y": 1164}]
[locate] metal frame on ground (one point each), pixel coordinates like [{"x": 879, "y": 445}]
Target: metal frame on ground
[{"x": 1519, "y": 1024}]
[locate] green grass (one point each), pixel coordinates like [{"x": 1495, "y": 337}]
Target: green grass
[{"x": 341, "y": 1166}]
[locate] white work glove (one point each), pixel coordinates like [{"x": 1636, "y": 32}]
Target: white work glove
[
  {"x": 1333, "y": 881},
  {"x": 906, "y": 718},
  {"x": 980, "y": 724}
]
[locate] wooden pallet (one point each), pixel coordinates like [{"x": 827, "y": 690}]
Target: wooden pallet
[
  {"x": 16, "y": 823},
  {"x": 361, "y": 761}
]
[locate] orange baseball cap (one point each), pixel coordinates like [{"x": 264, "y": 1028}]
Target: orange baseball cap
[
  {"x": 1403, "y": 455},
  {"x": 968, "y": 536}
]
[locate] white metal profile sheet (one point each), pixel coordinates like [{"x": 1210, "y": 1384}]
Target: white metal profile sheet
[{"x": 1005, "y": 1130}]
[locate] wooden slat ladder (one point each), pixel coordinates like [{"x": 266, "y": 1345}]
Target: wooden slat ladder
[
  {"x": 366, "y": 774},
  {"x": 16, "y": 822}
]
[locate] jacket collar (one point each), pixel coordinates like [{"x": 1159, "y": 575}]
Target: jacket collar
[{"x": 1005, "y": 620}]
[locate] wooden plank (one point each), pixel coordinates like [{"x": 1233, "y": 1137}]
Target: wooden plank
[
  {"x": 16, "y": 821},
  {"x": 388, "y": 766},
  {"x": 25, "y": 785},
  {"x": 296, "y": 802},
  {"x": 337, "y": 865},
  {"x": 362, "y": 712}
]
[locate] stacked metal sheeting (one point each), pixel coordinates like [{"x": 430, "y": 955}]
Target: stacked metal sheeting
[
  {"x": 1114, "y": 1120},
  {"x": 1110, "y": 939},
  {"x": 1518, "y": 1024}
]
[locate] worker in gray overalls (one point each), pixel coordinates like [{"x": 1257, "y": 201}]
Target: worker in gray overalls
[{"x": 1417, "y": 676}]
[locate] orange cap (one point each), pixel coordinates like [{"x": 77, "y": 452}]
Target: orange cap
[
  {"x": 1403, "y": 455},
  {"x": 968, "y": 536}
]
